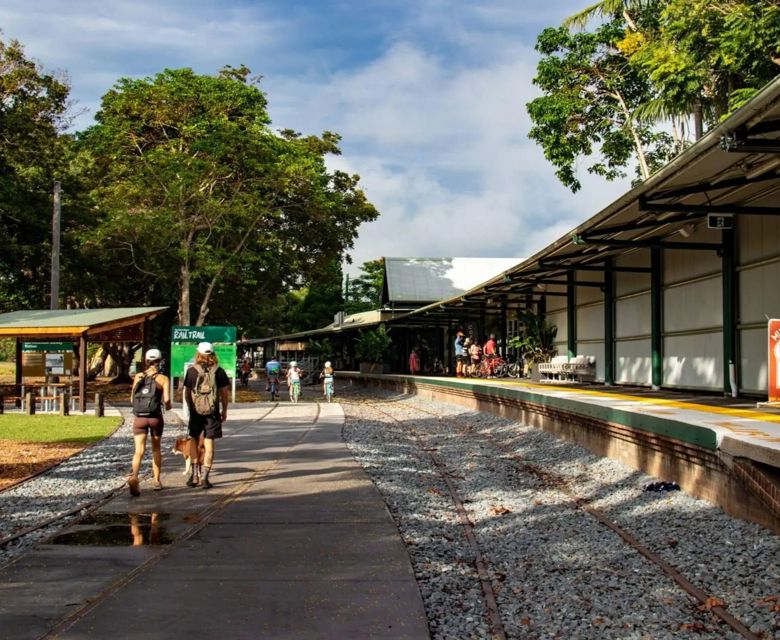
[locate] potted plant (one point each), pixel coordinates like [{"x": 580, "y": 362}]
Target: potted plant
[
  {"x": 372, "y": 348},
  {"x": 536, "y": 343}
]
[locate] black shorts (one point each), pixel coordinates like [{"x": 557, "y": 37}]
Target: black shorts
[
  {"x": 462, "y": 359},
  {"x": 210, "y": 425},
  {"x": 143, "y": 425}
]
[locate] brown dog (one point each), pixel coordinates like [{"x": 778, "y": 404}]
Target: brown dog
[{"x": 181, "y": 447}]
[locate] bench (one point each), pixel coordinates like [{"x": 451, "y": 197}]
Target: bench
[{"x": 579, "y": 368}]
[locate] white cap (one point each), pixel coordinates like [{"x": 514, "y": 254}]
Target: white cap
[
  {"x": 327, "y": 364},
  {"x": 153, "y": 354},
  {"x": 206, "y": 348},
  {"x": 293, "y": 363}
]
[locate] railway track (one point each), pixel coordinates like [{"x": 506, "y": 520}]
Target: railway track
[{"x": 453, "y": 475}]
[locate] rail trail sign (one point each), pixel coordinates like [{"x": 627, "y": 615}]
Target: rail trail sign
[{"x": 185, "y": 340}]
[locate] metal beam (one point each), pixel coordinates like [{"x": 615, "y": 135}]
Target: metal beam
[
  {"x": 654, "y": 244},
  {"x": 609, "y": 267},
  {"x": 656, "y": 319},
  {"x": 609, "y": 327},
  {"x": 704, "y": 187},
  {"x": 707, "y": 208}
]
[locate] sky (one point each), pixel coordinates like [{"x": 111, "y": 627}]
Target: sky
[{"x": 428, "y": 95}]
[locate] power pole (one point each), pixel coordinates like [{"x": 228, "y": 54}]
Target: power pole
[{"x": 55, "y": 249}]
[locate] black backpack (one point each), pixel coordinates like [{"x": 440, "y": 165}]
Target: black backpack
[{"x": 146, "y": 398}]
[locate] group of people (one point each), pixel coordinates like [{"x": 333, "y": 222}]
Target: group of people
[
  {"x": 206, "y": 394},
  {"x": 469, "y": 355}
]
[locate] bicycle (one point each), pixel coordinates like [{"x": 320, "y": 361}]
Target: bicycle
[
  {"x": 273, "y": 387},
  {"x": 295, "y": 391}
]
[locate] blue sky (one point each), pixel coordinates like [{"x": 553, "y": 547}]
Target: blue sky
[{"x": 429, "y": 97}]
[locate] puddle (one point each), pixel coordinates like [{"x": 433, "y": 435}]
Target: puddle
[{"x": 117, "y": 530}]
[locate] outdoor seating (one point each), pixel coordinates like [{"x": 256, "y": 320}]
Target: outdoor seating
[{"x": 579, "y": 368}]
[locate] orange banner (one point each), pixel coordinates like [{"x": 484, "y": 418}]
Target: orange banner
[{"x": 773, "y": 375}]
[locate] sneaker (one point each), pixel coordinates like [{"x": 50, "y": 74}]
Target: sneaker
[
  {"x": 158, "y": 486},
  {"x": 205, "y": 484},
  {"x": 132, "y": 483},
  {"x": 192, "y": 482}
]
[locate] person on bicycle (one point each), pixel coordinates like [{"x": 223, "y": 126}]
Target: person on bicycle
[
  {"x": 294, "y": 375},
  {"x": 273, "y": 372},
  {"x": 327, "y": 381},
  {"x": 246, "y": 370},
  {"x": 491, "y": 351}
]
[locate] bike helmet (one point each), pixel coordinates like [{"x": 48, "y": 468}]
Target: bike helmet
[
  {"x": 327, "y": 364},
  {"x": 293, "y": 363}
]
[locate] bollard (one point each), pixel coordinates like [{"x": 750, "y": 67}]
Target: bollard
[
  {"x": 99, "y": 409},
  {"x": 64, "y": 404},
  {"x": 29, "y": 401}
]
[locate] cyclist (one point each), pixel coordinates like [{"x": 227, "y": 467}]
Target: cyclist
[
  {"x": 491, "y": 352},
  {"x": 246, "y": 370},
  {"x": 273, "y": 372},
  {"x": 327, "y": 381},
  {"x": 294, "y": 375}
]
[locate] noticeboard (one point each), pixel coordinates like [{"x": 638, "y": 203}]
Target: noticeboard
[
  {"x": 184, "y": 344},
  {"x": 47, "y": 358}
]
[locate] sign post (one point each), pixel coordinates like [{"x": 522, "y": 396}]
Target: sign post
[{"x": 184, "y": 344}]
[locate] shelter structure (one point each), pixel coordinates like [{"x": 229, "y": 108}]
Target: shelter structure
[
  {"x": 81, "y": 326},
  {"x": 408, "y": 284},
  {"x": 672, "y": 284}
]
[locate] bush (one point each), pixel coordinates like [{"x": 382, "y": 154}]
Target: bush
[{"x": 373, "y": 346}]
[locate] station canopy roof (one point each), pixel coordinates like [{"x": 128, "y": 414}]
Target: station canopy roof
[
  {"x": 94, "y": 324},
  {"x": 734, "y": 170},
  {"x": 418, "y": 281}
]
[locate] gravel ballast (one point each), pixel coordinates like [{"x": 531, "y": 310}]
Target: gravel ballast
[{"x": 556, "y": 570}]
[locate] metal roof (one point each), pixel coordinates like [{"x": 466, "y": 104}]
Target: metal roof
[
  {"x": 73, "y": 322},
  {"x": 424, "y": 280},
  {"x": 734, "y": 169}
]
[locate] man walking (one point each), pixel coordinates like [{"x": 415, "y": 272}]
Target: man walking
[{"x": 206, "y": 393}]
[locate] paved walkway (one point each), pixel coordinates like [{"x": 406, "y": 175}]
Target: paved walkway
[{"x": 293, "y": 541}]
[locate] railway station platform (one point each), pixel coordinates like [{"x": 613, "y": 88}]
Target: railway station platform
[
  {"x": 292, "y": 541},
  {"x": 724, "y": 450}
]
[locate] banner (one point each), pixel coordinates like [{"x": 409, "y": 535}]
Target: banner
[
  {"x": 773, "y": 374},
  {"x": 184, "y": 344}
]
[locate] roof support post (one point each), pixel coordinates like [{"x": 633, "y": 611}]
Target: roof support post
[
  {"x": 83, "y": 373},
  {"x": 19, "y": 366},
  {"x": 729, "y": 310},
  {"x": 609, "y": 324},
  {"x": 571, "y": 314},
  {"x": 656, "y": 318},
  {"x": 450, "y": 348},
  {"x": 503, "y": 330}
]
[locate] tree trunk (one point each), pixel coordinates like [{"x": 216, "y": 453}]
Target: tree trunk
[
  {"x": 698, "y": 120},
  {"x": 640, "y": 150},
  {"x": 184, "y": 281}
]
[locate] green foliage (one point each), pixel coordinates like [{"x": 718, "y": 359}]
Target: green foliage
[
  {"x": 195, "y": 192},
  {"x": 33, "y": 112},
  {"x": 590, "y": 95},
  {"x": 7, "y": 349},
  {"x": 314, "y": 306},
  {"x": 320, "y": 350},
  {"x": 364, "y": 293},
  {"x": 373, "y": 346},
  {"x": 537, "y": 340},
  {"x": 82, "y": 429}
]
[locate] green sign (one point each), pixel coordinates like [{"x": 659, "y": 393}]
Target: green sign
[
  {"x": 181, "y": 354},
  {"x": 184, "y": 344},
  {"x": 203, "y": 334},
  {"x": 52, "y": 347}
]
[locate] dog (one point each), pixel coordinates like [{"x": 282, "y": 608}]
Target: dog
[{"x": 181, "y": 447}]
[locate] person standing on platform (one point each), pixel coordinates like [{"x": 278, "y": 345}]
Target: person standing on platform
[
  {"x": 459, "y": 354},
  {"x": 490, "y": 351},
  {"x": 150, "y": 396},
  {"x": 206, "y": 392},
  {"x": 414, "y": 362}
]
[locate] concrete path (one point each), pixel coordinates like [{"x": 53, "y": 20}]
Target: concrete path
[{"x": 293, "y": 541}]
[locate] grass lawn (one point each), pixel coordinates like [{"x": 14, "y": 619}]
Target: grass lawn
[{"x": 76, "y": 429}]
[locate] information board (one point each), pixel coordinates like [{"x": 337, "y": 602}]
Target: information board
[
  {"x": 185, "y": 340},
  {"x": 40, "y": 359}
]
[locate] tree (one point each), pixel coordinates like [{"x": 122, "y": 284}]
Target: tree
[
  {"x": 364, "y": 293},
  {"x": 192, "y": 184},
  {"x": 314, "y": 306},
  {"x": 33, "y": 114},
  {"x": 590, "y": 96}
]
